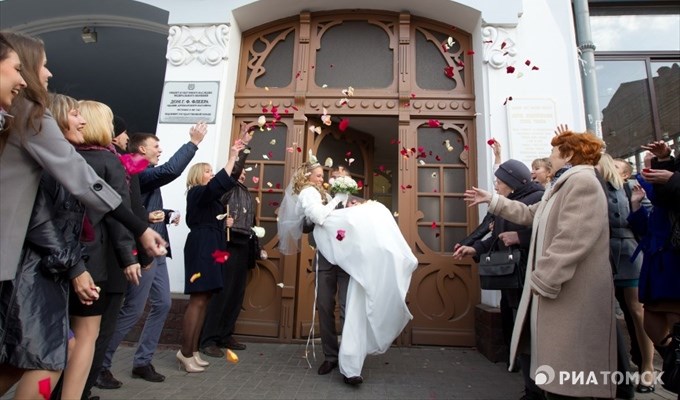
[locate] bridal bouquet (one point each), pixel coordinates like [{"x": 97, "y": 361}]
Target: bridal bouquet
[{"x": 344, "y": 184}]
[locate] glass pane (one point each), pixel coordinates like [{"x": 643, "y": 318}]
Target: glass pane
[
  {"x": 274, "y": 174},
  {"x": 269, "y": 231},
  {"x": 430, "y": 63},
  {"x": 430, "y": 208},
  {"x": 453, "y": 236},
  {"x": 354, "y": 53},
  {"x": 439, "y": 146},
  {"x": 454, "y": 180},
  {"x": 269, "y": 144},
  {"x": 635, "y": 32},
  {"x": 666, "y": 77},
  {"x": 341, "y": 152},
  {"x": 455, "y": 210},
  {"x": 270, "y": 202},
  {"x": 279, "y": 62},
  {"x": 625, "y": 103},
  {"x": 430, "y": 237},
  {"x": 428, "y": 180}
]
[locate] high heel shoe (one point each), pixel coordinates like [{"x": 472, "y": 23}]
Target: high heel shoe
[
  {"x": 199, "y": 361},
  {"x": 188, "y": 363}
]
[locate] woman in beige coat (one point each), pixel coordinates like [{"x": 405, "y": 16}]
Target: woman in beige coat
[{"x": 566, "y": 314}]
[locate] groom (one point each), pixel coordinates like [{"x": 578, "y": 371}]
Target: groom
[{"x": 332, "y": 280}]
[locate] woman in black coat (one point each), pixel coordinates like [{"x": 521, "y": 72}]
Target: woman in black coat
[
  {"x": 98, "y": 238},
  {"x": 513, "y": 180},
  {"x": 204, "y": 250},
  {"x": 36, "y": 327}
]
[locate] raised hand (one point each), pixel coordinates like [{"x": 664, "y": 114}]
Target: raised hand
[
  {"x": 561, "y": 128},
  {"x": 659, "y": 148},
  {"x": 476, "y": 196},
  {"x": 197, "y": 132},
  {"x": 636, "y": 196},
  {"x": 496, "y": 147},
  {"x": 246, "y": 134},
  {"x": 657, "y": 176}
]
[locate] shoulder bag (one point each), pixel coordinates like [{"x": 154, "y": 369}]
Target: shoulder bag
[{"x": 501, "y": 269}]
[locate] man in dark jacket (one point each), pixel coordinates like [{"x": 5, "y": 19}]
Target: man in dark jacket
[
  {"x": 225, "y": 306},
  {"x": 155, "y": 282}
]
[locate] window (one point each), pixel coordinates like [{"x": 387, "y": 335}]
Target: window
[{"x": 637, "y": 61}]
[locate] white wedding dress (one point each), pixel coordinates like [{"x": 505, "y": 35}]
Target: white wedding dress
[{"x": 374, "y": 253}]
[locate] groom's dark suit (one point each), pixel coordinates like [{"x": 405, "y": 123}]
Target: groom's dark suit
[{"x": 332, "y": 280}]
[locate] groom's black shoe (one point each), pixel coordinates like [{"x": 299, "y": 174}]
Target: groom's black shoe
[
  {"x": 354, "y": 380},
  {"x": 327, "y": 367}
]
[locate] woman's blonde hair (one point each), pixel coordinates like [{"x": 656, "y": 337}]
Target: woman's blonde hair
[
  {"x": 195, "y": 175},
  {"x": 301, "y": 178},
  {"x": 99, "y": 128},
  {"x": 542, "y": 162},
  {"x": 609, "y": 172},
  {"x": 61, "y": 105}
]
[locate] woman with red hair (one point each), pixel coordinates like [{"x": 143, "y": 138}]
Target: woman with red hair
[{"x": 567, "y": 306}]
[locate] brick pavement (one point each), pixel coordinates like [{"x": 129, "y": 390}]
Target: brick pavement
[{"x": 279, "y": 371}]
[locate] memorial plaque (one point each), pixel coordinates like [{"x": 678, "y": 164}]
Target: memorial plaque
[
  {"x": 189, "y": 102},
  {"x": 531, "y": 126}
]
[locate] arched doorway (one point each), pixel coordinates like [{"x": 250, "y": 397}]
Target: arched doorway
[{"x": 410, "y": 132}]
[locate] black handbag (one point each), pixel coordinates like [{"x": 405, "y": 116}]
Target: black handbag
[
  {"x": 671, "y": 362},
  {"x": 501, "y": 269}
]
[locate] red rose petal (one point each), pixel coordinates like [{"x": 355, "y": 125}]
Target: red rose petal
[
  {"x": 534, "y": 68},
  {"x": 466, "y": 147},
  {"x": 510, "y": 69},
  {"x": 344, "y": 123},
  {"x": 299, "y": 149},
  {"x": 340, "y": 235},
  {"x": 434, "y": 225},
  {"x": 490, "y": 142},
  {"x": 265, "y": 110},
  {"x": 220, "y": 256},
  {"x": 437, "y": 158},
  {"x": 270, "y": 155},
  {"x": 470, "y": 52},
  {"x": 527, "y": 62},
  {"x": 413, "y": 95},
  {"x": 503, "y": 45},
  {"x": 278, "y": 186},
  {"x": 360, "y": 184},
  {"x": 434, "y": 123},
  {"x": 448, "y": 71},
  {"x": 45, "y": 388},
  {"x": 381, "y": 168}
]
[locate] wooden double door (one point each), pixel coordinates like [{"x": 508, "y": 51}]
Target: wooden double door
[{"x": 377, "y": 92}]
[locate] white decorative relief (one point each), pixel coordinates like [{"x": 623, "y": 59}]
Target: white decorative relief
[
  {"x": 499, "y": 48},
  {"x": 209, "y": 47}
]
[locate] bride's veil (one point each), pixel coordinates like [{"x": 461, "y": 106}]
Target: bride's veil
[{"x": 289, "y": 222}]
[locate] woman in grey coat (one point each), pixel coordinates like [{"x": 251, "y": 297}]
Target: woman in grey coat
[
  {"x": 622, "y": 245},
  {"x": 35, "y": 143}
]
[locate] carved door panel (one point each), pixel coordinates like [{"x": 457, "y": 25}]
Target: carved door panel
[
  {"x": 264, "y": 306},
  {"x": 443, "y": 292}
]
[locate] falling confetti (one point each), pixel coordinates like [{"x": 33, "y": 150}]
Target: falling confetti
[
  {"x": 491, "y": 142},
  {"x": 421, "y": 162},
  {"x": 447, "y": 144},
  {"x": 349, "y": 92},
  {"x": 340, "y": 235},
  {"x": 315, "y": 129},
  {"x": 434, "y": 123},
  {"x": 326, "y": 118},
  {"x": 509, "y": 69},
  {"x": 45, "y": 388},
  {"x": 290, "y": 149},
  {"x": 434, "y": 225},
  {"x": 248, "y": 169},
  {"x": 470, "y": 52},
  {"x": 448, "y": 71},
  {"x": 194, "y": 277},
  {"x": 272, "y": 142},
  {"x": 231, "y": 356},
  {"x": 280, "y": 284},
  {"x": 266, "y": 157},
  {"x": 261, "y": 122},
  {"x": 507, "y": 99},
  {"x": 434, "y": 174},
  {"x": 220, "y": 256},
  {"x": 350, "y": 161},
  {"x": 344, "y": 123},
  {"x": 255, "y": 179},
  {"x": 269, "y": 184},
  {"x": 328, "y": 163}
]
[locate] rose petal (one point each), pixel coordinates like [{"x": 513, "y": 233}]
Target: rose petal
[
  {"x": 527, "y": 62},
  {"x": 503, "y": 45},
  {"x": 534, "y": 68},
  {"x": 231, "y": 356},
  {"x": 45, "y": 388},
  {"x": 509, "y": 69},
  {"x": 340, "y": 235},
  {"x": 470, "y": 52},
  {"x": 344, "y": 123},
  {"x": 194, "y": 277},
  {"x": 280, "y": 284},
  {"x": 255, "y": 179},
  {"x": 220, "y": 256},
  {"x": 491, "y": 141},
  {"x": 434, "y": 225},
  {"x": 448, "y": 71}
]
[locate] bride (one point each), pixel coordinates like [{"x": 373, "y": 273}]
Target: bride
[{"x": 365, "y": 241}]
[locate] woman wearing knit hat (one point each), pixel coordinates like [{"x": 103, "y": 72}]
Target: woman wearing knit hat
[
  {"x": 120, "y": 134},
  {"x": 513, "y": 180}
]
